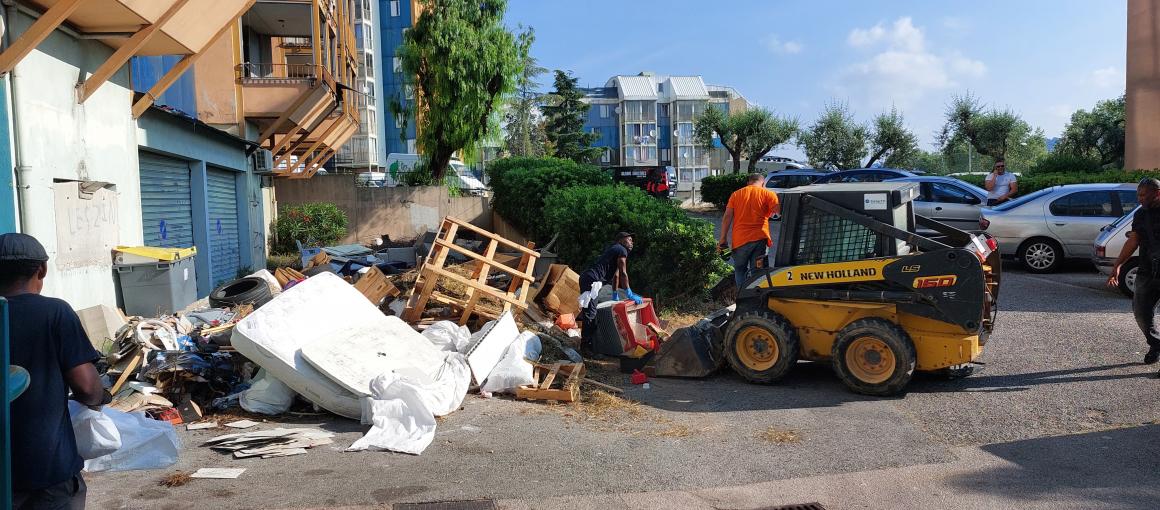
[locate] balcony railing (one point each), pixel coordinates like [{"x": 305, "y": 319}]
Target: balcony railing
[
  {"x": 277, "y": 72},
  {"x": 296, "y": 42}
]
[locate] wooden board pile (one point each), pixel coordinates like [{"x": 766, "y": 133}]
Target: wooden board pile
[{"x": 270, "y": 443}]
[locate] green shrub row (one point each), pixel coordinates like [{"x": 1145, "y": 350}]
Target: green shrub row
[
  {"x": 1035, "y": 182},
  {"x": 674, "y": 255},
  {"x": 316, "y": 224},
  {"x": 716, "y": 189},
  {"x": 520, "y": 186}
]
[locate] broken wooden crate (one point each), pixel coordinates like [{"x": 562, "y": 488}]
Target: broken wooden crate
[
  {"x": 434, "y": 271},
  {"x": 566, "y": 376},
  {"x": 374, "y": 285}
]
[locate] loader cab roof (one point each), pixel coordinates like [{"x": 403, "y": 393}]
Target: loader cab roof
[{"x": 899, "y": 192}]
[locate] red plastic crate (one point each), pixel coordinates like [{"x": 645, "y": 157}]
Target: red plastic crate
[{"x": 631, "y": 322}]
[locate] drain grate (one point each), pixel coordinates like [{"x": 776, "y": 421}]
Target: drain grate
[
  {"x": 478, "y": 504},
  {"x": 804, "y": 506}
]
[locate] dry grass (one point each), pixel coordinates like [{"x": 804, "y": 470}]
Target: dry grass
[
  {"x": 676, "y": 431},
  {"x": 602, "y": 405},
  {"x": 688, "y": 313},
  {"x": 175, "y": 479},
  {"x": 775, "y": 435}
]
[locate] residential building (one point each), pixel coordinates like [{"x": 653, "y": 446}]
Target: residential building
[
  {"x": 647, "y": 120},
  {"x": 1142, "y": 132},
  {"x": 364, "y": 151},
  {"x": 398, "y": 129}
]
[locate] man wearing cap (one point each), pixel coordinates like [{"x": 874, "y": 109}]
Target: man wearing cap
[
  {"x": 46, "y": 338},
  {"x": 610, "y": 269},
  {"x": 1145, "y": 234}
]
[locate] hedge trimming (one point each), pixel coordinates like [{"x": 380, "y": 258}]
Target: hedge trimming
[
  {"x": 520, "y": 186},
  {"x": 716, "y": 189},
  {"x": 674, "y": 255},
  {"x": 1035, "y": 182}
]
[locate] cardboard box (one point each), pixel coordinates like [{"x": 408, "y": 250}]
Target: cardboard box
[{"x": 559, "y": 291}]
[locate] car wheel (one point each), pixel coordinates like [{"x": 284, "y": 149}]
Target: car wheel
[
  {"x": 1128, "y": 277},
  {"x": 1041, "y": 255}
]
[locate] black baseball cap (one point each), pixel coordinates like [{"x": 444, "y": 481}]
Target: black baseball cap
[
  {"x": 622, "y": 235},
  {"x": 16, "y": 246}
]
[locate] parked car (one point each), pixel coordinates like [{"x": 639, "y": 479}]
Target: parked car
[
  {"x": 1044, "y": 228},
  {"x": 782, "y": 180},
  {"x": 1107, "y": 249},
  {"x": 948, "y": 200},
  {"x": 864, "y": 175}
]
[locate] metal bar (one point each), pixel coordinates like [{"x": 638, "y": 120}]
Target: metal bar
[
  {"x": 37, "y": 33},
  {"x": 85, "y": 89},
  {"x": 872, "y": 224},
  {"x": 960, "y": 236},
  {"x": 847, "y": 295}
]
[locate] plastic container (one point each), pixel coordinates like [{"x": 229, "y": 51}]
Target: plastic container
[
  {"x": 632, "y": 322},
  {"x": 158, "y": 287}
]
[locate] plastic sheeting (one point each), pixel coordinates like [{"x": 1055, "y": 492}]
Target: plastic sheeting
[
  {"x": 145, "y": 444},
  {"x": 513, "y": 369},
  {"x": 267, "y": 395}
]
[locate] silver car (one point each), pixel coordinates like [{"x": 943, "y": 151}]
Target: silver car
[
  {"x": 1107, "y": 249},
  {"x": 948, "y": 200},
  {"x": 1044, "y": 228}
]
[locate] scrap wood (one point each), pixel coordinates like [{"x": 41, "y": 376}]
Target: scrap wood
[
  {"x": 218, "y": 473},
  {"x": 319, "y": 259},
  {"x": 569, "y": 390},
  {"x": 599, "y": 384},
  {"x": 285, "y": 275},
  {"x": 128, "y": 371},
  {"x": 375, "y": 286}
]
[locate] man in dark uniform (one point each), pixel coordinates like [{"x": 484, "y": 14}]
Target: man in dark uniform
[
  {"x": 1145, "y": 234},
  {"x": 610, "y": 269}
]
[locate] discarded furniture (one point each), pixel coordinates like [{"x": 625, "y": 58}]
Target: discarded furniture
[{"x": 566, "y": 376}]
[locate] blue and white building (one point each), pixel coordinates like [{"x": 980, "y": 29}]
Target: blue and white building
[{"x": 398, "y": 131}]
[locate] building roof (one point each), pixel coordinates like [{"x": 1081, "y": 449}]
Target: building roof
[
  {"x": 635, "y": 87},
  {"x": 685, "y": 87}
]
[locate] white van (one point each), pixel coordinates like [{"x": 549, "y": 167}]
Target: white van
[{"x": 399, "y": 164}]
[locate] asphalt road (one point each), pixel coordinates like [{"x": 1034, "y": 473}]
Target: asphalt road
[{"x": 1062, "y": 381}]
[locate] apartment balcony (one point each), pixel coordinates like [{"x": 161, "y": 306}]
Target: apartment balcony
[{"x": 303, "y": 93}]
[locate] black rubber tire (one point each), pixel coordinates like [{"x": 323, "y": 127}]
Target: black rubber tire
[
  {"x": 783, "y": 334},
  {"x": 250, "y": 289},
  {"x": 1025, "y": 251},
  {"x": 895, "y": 339},
  {"x": 1131, "y": 265}
]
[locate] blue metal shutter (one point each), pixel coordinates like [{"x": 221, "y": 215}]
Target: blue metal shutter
[
  {"x": 166, "y": 206},
  {"x": 224, "y": 240}
]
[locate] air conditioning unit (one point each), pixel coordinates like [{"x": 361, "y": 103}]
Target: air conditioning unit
[{"x": 263, "y": 161}]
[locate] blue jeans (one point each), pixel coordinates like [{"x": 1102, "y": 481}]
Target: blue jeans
[{"x": 745, "y": 260}]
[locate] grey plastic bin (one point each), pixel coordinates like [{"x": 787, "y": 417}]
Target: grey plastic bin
[{"x": 156, "y": 288}]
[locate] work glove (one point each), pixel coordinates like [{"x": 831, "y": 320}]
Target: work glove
[
  {"x": 616, "y": 295},
  {"x": 628, "y": 293}
]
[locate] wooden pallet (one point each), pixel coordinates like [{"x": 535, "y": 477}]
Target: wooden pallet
[
  {"x": 434, "y": 270},
  {"x": 568, "y": 390},
  {"x": 374, "y": 285}
]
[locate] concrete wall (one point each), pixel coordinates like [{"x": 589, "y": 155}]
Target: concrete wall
[
  {"x": 402, "y": 212},
  {"x": 1142, "y": 147},
  {"x": 62, "y": 140}
]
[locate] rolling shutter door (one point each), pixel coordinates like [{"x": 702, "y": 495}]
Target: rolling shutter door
[
  {"x": 224, "y": 239},
  {"x": 166, "y": 206}
]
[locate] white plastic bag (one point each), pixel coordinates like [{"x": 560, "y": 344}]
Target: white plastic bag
[
  {"x": 145, "y": 444},
  {"x": 590, "y": 294},
  {"x": 267, "y": 395},
  {"x": 400, "y": 418},
  {"x": 96, "y": 433},
  {"x": 513, "y": 371},
  {"x": 447, "y": 335}
]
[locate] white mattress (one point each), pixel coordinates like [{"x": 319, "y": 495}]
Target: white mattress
[
  {"x": 316, "y": 310},
  {"x": 361, "y": 351}
]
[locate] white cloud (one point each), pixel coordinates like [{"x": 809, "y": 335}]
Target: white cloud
[
  {"x": 901, "y": 35},
  {"x": 775, "y": 44},
  {"x": 1108, "y": 77}
]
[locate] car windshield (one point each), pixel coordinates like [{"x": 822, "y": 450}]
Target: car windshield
[
  {"x": 1126, "y": 218},
  {"x": 1022, "y": 200}
]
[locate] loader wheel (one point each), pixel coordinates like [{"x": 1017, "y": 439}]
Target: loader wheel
[
  {"x": 874, "y": 357},
  {"x": 761, "y": 346}
]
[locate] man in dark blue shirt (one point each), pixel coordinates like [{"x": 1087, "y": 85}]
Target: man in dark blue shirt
[
  {"x": 610, "y": 269},
  {"x": 46, "y": 339},
  {"x": 1145, "y": 235}
]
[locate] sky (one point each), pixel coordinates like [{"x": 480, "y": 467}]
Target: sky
[{"x": 1041, "y": 59}]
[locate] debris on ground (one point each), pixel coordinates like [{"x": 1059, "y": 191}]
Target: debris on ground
[
  {"x": 778, "y": 436},
  {"x": 267, "y": 444},
  {"x": 175, "y": 479},
  {"x": 218, "y": 473}
]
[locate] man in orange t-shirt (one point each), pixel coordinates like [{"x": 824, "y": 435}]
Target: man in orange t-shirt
[{"x": 747, "y": 217}]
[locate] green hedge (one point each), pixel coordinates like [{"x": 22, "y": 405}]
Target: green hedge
[
  {"x": 716, "y": 189},
  {"x": 316, "y": 224},
  {"x": 520, "y": 186},
  {"x": 1035, "y": 182},
  {"x": 674, "y": 256}
]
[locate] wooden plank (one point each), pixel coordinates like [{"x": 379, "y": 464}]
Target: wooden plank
[
  {"x": 551, "y": 376},
  {"x": 490, "y": 235},
  {"x": 319, "y": 259},
  {"x": 374, "y": 285},
  {"x": 128, "y": 371},
  {"x": 37, "y": 33},
  {"x": 480, "y": 275},
  {"x": 436, "y": 259},
  {"x": 517, "y": 273},
  {"x": 599, "y": 384},
  {"x": 490, "y": 291},
  {"x": 527, "y": 262}
]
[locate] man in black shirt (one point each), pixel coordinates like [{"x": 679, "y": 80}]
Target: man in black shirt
[
  {"x": 610, "y": 269},
  {"x": 1145, "y": 234},
  {"x": 47, "y": 340}
]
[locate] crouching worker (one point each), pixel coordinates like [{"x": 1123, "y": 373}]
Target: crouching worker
[
  {"x": 610, "y": 269},
  {"x": 46, "y": 339}
]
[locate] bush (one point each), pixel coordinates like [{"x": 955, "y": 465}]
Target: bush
[
  {"x": 717, "y": 188},
  {"x": 1058, "y": 162},
  {"x": 674, "y": 256},
  {"x": 318, "y": 224},
  {"x": 1035, "y": 182},
  {"x": 520, "y": 186}
]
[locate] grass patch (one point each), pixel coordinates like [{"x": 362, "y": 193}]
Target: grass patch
[
  {"x": 775, "y": 435},
  {"x": 175, "y": 479}
]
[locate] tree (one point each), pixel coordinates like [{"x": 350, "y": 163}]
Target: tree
[
  {"x": 1098, "y": 134},
  {"x": 715, "y": 122},
  {"x": 464, "y": 62},
  {"x": 933, "y": 163},
  {"x": 564, "y": 114},
  {"x": 764, "y": 132},
  {"x": 891, "y": 142},
  {"x": 835, "y": 140},
  {"x": 525, "y": 130},
  {"x": 989, "y": 132}
]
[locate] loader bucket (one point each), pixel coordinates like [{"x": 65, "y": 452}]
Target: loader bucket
[{"x": 694, "y": 351}]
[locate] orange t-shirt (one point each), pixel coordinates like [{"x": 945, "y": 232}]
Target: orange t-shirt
[{"x": 752, "y": 206}]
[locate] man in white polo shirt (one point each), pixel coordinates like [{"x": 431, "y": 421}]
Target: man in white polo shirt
[{"x": 1001, "y": 186}]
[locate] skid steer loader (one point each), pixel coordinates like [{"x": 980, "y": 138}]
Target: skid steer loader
[{"x": 852, "y": 283}]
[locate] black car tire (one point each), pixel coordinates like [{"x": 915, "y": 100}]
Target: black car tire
[
  {"x": 250, "y": 289},
  {"x": 1040, "y": 255},
  {"x": 1128, "y": 277}
]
